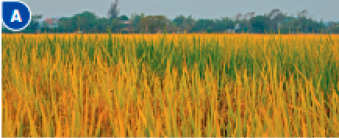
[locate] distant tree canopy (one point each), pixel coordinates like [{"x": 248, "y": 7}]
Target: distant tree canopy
[
  {"x": 204, "y": 25},
  {"x": 183, "y": 23},
  {"x": 259, "y": 24},
  {"x": 136, "y": 21},
  {"x": 84, "y": 21},
  {"x": 34, "y": 22},
  {"x": 154, "y": 23},
  {"x": 113, "y": 11},
  {"x": 123, "y": 17},
  {"x": 271, "y": 22}
]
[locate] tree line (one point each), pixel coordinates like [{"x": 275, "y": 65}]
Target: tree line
[{"x": 275, "y": 21}]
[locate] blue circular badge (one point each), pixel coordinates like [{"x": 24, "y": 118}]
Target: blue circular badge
[{"x": 16, "y": 15}]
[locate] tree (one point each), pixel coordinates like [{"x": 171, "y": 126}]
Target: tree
[
  {"x": 189, "y": 23},
  {"x": 102, "y": 24},
  {"x": 276, "y": 18},
  {"x": 123, "y": 17},
  {"x": 204, "y": 25},
  {"x": 259, "y": 23},
  {"x": 66, "y": 24},
  {"x": 336, "y": 28},
  {"x": 238, "y": 17},
  {"x": 85, "y": 21},
  {"x": 224, "y": 24},
  {"x": 183, "y": 23},
  {"x": 333, "y": 27},
  {"x": 302, "y": 23},
  {"x": 154, "y": 23},
  {"x": 113, "y": 11},
  {"x": 116, "y": 25},
  {"x": 136, "y": 18},
  {"x": 34, "y": 24},
  {"x": 247, "y": 21},
  {"x": 243, "y": 21},
  {"x": 304, "y": 13},
  {"x": 273, "y": 20},
  {"x": 178, "y": 22}
]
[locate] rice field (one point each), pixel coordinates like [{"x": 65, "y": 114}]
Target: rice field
[{"x": 174, "y": 85}]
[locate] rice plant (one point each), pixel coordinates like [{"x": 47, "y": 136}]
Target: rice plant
[{"x": 173, "y": 85}]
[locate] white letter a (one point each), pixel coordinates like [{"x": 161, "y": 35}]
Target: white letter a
[{"x": 16, "y": 16}]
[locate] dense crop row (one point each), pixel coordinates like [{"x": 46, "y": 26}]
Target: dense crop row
[{"x": 172, "y": 85}]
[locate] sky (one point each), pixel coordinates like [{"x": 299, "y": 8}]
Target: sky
[{"x": 211, "y": 9}]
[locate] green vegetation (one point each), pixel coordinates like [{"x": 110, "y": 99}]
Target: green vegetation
[{"x": 170, "y": 85}]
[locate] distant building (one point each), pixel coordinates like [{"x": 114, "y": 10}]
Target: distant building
[
  {"x": 126, "y": 22},
  {"x": 230, "y": 31},
  {"x": 128, "y": 27},
  {"x": 52, "y": 22}
]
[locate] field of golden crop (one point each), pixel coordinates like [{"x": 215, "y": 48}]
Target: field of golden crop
[{"x": 174, "y": 85}]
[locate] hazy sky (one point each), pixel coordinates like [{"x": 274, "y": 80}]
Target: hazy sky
[{"x": 326, "y": 9}]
